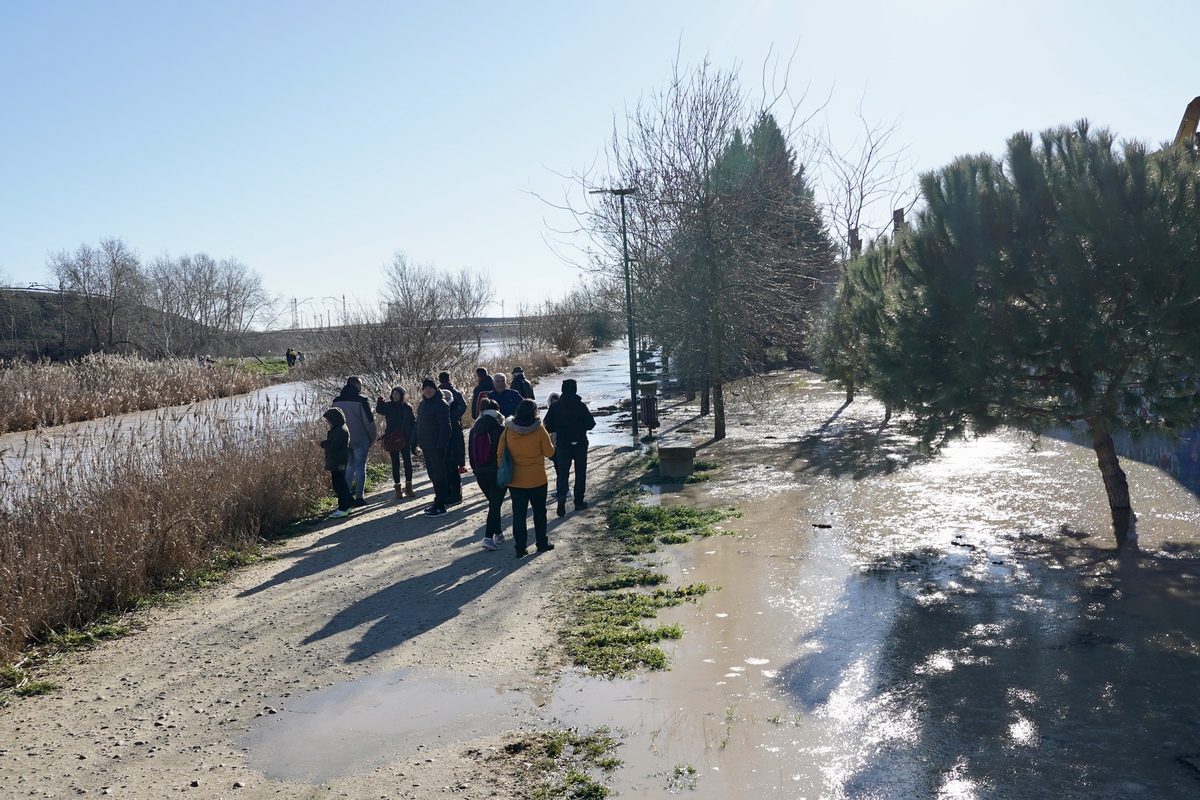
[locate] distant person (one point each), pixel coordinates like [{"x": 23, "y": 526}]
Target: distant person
[
  {"x": 433, "y": 435},
  {"x": 483, "y": 385},
  {"x": 300, "y": 357},
  {"x": 571, "y": 420},
  {"x": 291, "y": 357},
  {"x": 398, "y": 437},
  {"x": 360, "y": 419},
  {"x": 506, "y": 398},
  {"x": 529, "y": 443},
  {"x": 458, "y": 407},
  {"x": 521, "y": 385},
  {"x": 337, "y": 454},
  {"x": 453, "y": 473},
  {"x": 481, "y": 447}
]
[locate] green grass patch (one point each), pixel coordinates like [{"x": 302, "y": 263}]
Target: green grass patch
[
  {"x": 637, "y": 527},
  {"x": 565, "y": 764},
  {"x": 263, "y": 366},
  {"x": 608, "y": 635},
  {"x": 625, "y": 578}
]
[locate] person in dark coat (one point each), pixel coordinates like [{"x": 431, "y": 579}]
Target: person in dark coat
[
  {"x": 571, "y": 420},
  {"x": 521, "y": 385},
  {"x": 400, "y": 417},
  {"x": 483, "y": 386},
  {"x": 506, "y": 398},
  {"x": 360, "y": 420},
  {"x": 488, "y": 425},
  {"x": 433, "y": 436},
  {"x": 456, "y": 453},
  {"x": 337, "y": 455}
]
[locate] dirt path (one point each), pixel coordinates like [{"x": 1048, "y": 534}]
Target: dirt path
[{"x": 168, "y": 710}]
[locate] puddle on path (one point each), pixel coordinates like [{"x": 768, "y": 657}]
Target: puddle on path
[
  {"x": 354, "y": 727},
  {"x": 954, "y": 629}
]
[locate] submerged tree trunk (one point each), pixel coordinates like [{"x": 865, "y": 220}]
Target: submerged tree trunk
[
  {"x": 1115, "y": 484},
  {"x": 718, "y": 409}
]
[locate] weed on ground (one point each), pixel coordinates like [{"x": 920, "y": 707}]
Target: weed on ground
[{"x": 563, "y": 764}]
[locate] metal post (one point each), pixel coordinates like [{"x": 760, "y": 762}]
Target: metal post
[
  {"x": 633, "y": 406},
  {"x": 629, "y": 322}
]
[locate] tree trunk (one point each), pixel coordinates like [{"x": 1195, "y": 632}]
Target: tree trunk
[
  {"x": 1115, "y": 484},
  {"x": 718, "y": 409},
  {"x": 704, "y": 396}
]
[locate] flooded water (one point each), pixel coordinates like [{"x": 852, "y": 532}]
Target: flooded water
[{"x": 886, "y": 627}]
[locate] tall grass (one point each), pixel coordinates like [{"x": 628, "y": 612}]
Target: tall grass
[
  {"x": 100, "y": 385},
  {"x": 111, "y": 515}
]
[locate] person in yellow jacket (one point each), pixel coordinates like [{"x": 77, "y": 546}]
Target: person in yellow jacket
[{"x": 529, "y": 443}]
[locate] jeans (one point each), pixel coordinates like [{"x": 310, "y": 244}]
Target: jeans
[
  {"x": 356, "y": 470},
  {"x": 338, "y": 478},
  {"x": 565, "y": 455},
  {"x": 396, "y": 456},
  {"x": 495, "y": 497},
  {"x": 521, "y": 500}
]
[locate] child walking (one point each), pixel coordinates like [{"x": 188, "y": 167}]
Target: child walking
[{"x": 337, "y": 456}]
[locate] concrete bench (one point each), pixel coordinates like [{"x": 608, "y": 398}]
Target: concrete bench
[{"x": 676, "y": 459}]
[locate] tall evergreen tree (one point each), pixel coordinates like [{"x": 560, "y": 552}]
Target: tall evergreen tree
[{"x": 1059, "y": 285}]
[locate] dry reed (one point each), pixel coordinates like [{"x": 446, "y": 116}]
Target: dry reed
[
  {"x": 117, "y": 512},
  {"x": 101, "y": 385}
]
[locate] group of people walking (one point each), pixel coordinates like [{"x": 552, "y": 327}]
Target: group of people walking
[{"x": 506, "y": 449}]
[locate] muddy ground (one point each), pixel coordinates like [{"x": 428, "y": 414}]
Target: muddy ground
[
  {"x": 886, "y": 626},
  {"x": 165, "y": 710}
]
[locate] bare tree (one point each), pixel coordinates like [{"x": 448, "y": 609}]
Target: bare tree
[
  {"x": 417, "y": 329},
  {"x": 201, "y": 303},
  {"x": 865, "y": 182},
  {"x": 109, "y": 282}
]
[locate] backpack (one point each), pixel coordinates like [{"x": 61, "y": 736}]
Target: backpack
[{"x": 481, "y": 449}]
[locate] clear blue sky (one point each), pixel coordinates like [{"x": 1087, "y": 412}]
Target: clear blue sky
[{"x": 312, "y": 140}]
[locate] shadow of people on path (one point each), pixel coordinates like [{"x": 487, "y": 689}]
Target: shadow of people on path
[{"x": 418, "y": 604}]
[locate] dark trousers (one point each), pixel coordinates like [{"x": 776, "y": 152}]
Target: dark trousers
[
  {"x": 521, "y": 500},
  {"x": 435, "y": 465},
  {"x": 396, "y": 456},
  {"x": 453, "y": 480},
  {"x": 340, "y": 488},
  {"x": 495, "y": 497},
  {"x": 565, "y": 455}
]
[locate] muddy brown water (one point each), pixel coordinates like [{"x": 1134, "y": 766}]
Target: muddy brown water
[{"x": 886, "y": 627}]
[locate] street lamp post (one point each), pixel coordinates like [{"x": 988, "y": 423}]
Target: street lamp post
[{"x": 628, "y": 305}]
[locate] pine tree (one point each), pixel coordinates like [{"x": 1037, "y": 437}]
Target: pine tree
[{"x": 1059, "y": 285}]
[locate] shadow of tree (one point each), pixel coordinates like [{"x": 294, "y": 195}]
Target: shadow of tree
[
  {"x": 857, "y": 448},
  {"x": 1057, "y": 670}
]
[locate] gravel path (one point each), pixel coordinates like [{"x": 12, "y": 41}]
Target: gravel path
[{"x": 170, "y": 709}]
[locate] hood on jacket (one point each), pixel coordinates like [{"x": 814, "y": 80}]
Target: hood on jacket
[
  {"x": 524, "y": 426},
  {"x": 335, "y": 416},
  {"x": 494, "y": 414}
]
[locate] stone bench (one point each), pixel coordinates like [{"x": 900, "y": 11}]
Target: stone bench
[{"x": 676, "y": 459}]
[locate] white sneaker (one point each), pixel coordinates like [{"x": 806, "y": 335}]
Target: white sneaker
[
  {"x": 498, "y": 539},
  {"x": 488, "y": 544},
  {"x": 339, "y": 514}
]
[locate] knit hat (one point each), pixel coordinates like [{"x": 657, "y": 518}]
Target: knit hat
[
  {"x": 570, "y": 386},
  {"x": 430, "y": 382}
]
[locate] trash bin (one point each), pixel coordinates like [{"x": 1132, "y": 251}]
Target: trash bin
[{"x": 649, "y": 411}]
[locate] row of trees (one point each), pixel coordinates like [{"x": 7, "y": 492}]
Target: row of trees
[
  {"x": 1058, "y": 284},
  {"x": 731, "y": 257},
  {"x": 169, "y": 306}
]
